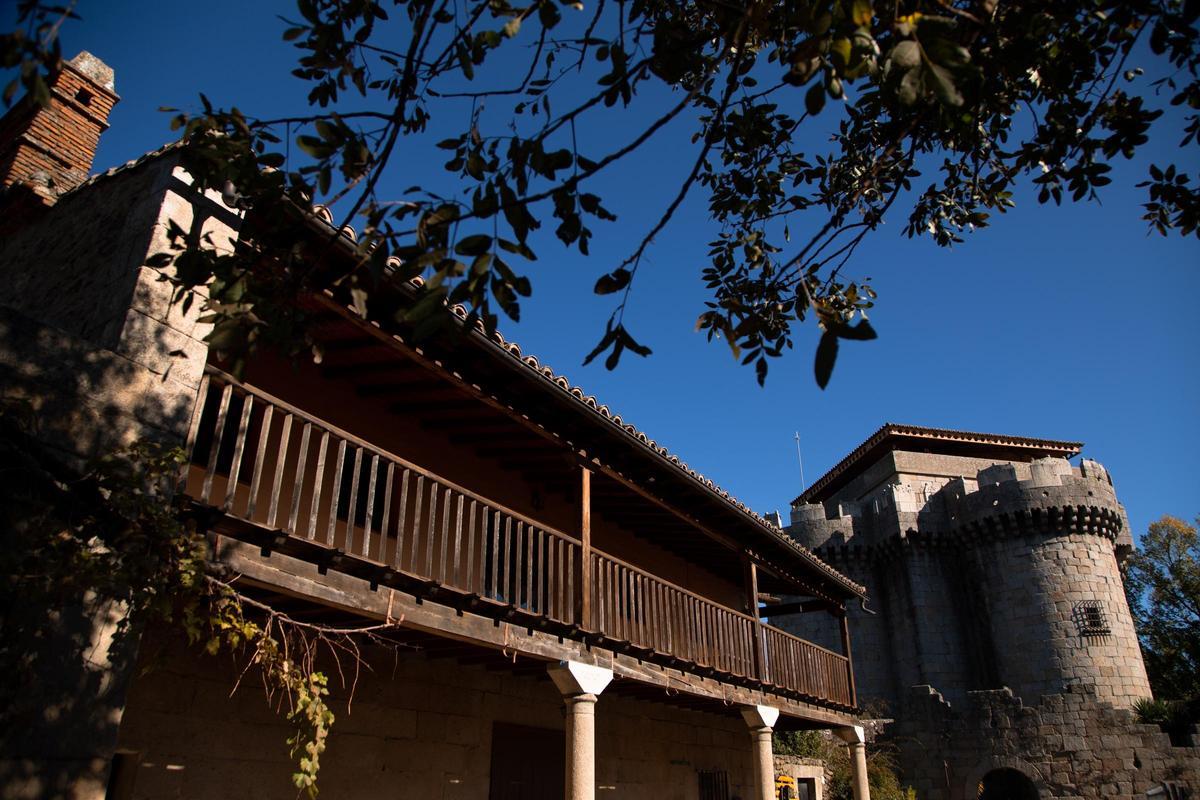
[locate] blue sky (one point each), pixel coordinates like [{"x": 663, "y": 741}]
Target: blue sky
[{"x": 1067, "y": 323}]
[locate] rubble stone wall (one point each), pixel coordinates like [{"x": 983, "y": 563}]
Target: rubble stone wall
[{"x": 1070, "y": 745}]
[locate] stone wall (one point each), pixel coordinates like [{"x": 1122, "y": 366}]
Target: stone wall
[
  {"x": 979, "y": 580},
  {"x": 1070, "y": 745},
  {"x": 1033, "y": 588},
  {"x": 92, "y": 347},
  {"x": 418, "y": 728}
]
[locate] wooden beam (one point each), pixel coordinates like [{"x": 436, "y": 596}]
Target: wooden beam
[
  {"x": 347, "y": 343},
  {"x": 421, "y": 360},
  {"x": 339, "y": 371},
  {"x": 751, "y": 586},
  {"x": 398, "y": 386},
  {"x": 665, "y": 506},
  {"x": 849, "y": 659},
  {"x": 802, "y": 607},
  {"x": 489, "y": 436},
  {"x": 469, "y": 425},
  {"x": 582, "y": 578},
  {"x": 298, "y": 578},
  {"x": 426, "y": 407}
]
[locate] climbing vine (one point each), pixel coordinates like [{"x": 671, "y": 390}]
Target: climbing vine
[{"x": 113, "y": 536}]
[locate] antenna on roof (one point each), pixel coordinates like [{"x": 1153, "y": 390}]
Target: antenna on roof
[{"x": 800, "y": 458}]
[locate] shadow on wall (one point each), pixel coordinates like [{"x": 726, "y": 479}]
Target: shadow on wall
[{"x": 67, "y": 663}]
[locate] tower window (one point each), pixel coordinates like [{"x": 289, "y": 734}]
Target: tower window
[{"x": 1090, "y": 618}]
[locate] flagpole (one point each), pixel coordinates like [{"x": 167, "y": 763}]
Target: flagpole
[{"x": 800, "y": 458}]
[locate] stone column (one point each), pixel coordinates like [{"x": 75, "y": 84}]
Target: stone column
[
  {"x": 761, "y": 719},
  {"x": 580, "y": 685},
  {"x": 856, "y": 741}
]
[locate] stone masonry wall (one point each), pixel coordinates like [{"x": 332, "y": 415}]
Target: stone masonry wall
[
  {"x": 979, "y": 581},
  {"x": 418, "y": 728},
  {"x": 1033, "y": 588},
  {"x": 1070, "y": 745},
  {"x": 92, "y": 347},
  {"x": 870, "y": 633}
]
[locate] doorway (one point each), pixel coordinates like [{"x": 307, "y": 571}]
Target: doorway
[
  {"x": 1006, "y": 784},
  {"x": 527, "y": 763}
]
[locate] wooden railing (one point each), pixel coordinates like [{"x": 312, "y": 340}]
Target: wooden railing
[
  {"x": 269, "y": 463},
  {"x": 260, "y": 460},
  {"x": 794, "y": 662},
  {"x": 630, "y": 604}
]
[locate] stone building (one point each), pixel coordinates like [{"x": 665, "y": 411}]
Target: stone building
[
  {"x": 576, "y": 611},
  {"x": 997, "y": 636}
]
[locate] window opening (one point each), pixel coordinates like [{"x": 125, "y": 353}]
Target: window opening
[{"x": 1090, "y": 619}]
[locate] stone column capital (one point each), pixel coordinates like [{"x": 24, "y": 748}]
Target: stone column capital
[
  {"x": 851, "y": 734},
  {"x": 760, "y": 716},
  {"x": 579, "y": 680}
]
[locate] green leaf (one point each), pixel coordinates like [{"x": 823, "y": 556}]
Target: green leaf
[
  {"x": 862, "y": 332},
  {"x": 910, "y": 87},
  {"x": 943, "y": 84},
  {"x": 814, "y": 99},
  {"x": 606, "y": 341},
  {"x": 614, "y": 281},
  {"x": 905, "y": 55},
  {"x": 861, "y": 12},
  {"x": 474, "y": 245},
  {"x": 827, "y": 350}
]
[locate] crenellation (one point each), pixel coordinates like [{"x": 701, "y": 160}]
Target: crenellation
[{"x": 981, "y": 566}]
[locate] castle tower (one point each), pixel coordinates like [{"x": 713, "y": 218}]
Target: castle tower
[{"x": 991, "y": 561}]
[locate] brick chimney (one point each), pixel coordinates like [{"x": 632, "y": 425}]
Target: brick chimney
[{"x": 46, "y": 152}]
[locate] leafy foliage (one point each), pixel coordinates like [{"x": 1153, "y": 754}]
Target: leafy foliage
[
  {"x": 34, "y": 49},
  {"x": 112, "y": 536},
  {"x": 1176, "y": 717},
  {"x": 1163, "y": 586},
  {"x": 942, "y": 106},
  {"x": 882, "y": 772}
]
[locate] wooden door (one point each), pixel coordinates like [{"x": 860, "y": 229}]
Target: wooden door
[{"x": 527, "y": 763}]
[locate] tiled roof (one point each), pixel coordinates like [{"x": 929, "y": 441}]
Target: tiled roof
[
  {"x": 563, "y": 384},
  {"x": 127, "y": 166},
  {"x": 891, "y": 430}
]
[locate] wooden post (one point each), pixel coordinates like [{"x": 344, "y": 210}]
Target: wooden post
[
  {"x": 760, "y": 659},
  {"x": 846, "y": 653},
  {"x": 583, "y": 567}
]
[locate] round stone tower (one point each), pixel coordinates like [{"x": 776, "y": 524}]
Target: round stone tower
[
  {"x": 990, "y": 562},
  {"x": 1047, "y": 550}
]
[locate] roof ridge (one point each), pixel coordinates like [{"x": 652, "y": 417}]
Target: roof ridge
[
  {"x": 564, "y": 384},
  {"x": 900, "y": 429}
]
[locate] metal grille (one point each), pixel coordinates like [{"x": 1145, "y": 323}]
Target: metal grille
[
  {"x": 1090, "y": 618},
  {"x": 714, "y": 784}
]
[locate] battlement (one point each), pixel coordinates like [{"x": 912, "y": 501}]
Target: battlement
[{"x": 997, "y": 499}]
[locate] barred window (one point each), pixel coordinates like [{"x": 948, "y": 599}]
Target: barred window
[
  {"x": 1090, "y": 618},
  {"x": 714, "y": 784}
]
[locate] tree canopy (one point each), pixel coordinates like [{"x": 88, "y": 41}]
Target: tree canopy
[
  {"x": 940, "y": 109},
  {"x": 1163, "y": 584}
]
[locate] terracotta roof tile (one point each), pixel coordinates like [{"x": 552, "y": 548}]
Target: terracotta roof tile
[{"x": 532, "y": 363}]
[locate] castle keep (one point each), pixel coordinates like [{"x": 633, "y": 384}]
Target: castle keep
[{"x": 997, "y": 635}]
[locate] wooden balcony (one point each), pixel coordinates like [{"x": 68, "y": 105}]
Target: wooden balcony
[{"x": 288, "y": 481}]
